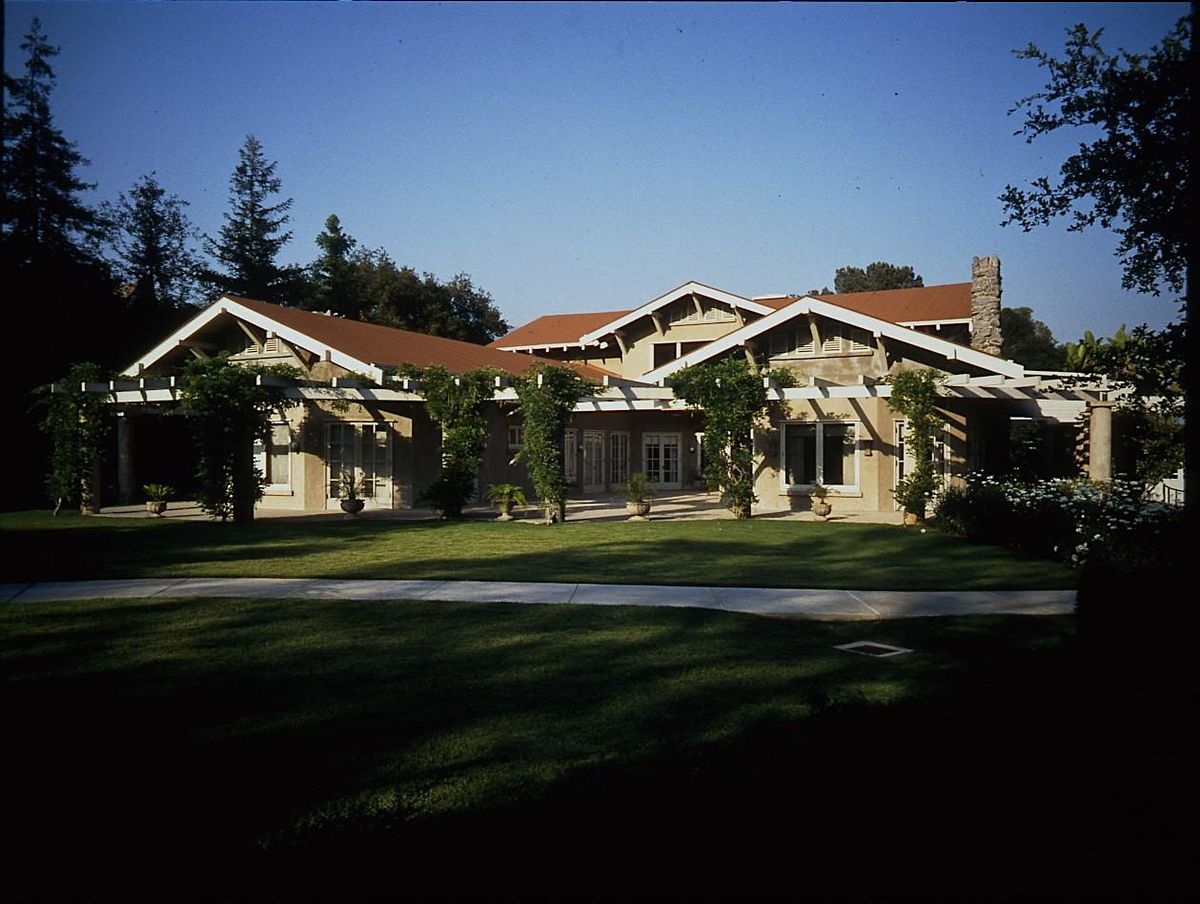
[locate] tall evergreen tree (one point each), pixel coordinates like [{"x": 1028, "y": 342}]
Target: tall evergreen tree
[
  {"x": 44, "y": 221},
  {"x": 335, "y": 277},
  {"x": 151, "y": 240},
  {"x": 253, "y": 235}
]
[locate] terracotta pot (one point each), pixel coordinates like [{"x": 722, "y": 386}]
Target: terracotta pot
[
  {"x": 911, "y": 518},
  {"x": 821, "y": 508},
  {"x": 156, "y": 506}
]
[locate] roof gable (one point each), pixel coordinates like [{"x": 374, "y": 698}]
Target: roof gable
[
  {"x": 689, "y": 288},
  {"x": 811, "y": 304},
  {"x": 352, "y": 344}
]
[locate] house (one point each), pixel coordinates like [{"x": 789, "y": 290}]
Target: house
[{"x": 834, "y": 426}]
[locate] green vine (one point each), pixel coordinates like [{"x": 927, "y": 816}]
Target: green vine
[
  {"x": 548, "y": 395},
  {"x": 229, "y": 411},
  {"x": 733, "y": 398},
  {"x": 456, "y": 404},
  {"x": 915, "y": 395},
  {"x": 76, "y": 424}
]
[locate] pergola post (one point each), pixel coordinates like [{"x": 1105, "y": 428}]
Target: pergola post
[{"x": 1100, "y": 440}]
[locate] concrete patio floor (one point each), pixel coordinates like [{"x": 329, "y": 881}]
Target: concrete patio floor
[{"x": 684, "y": 506}]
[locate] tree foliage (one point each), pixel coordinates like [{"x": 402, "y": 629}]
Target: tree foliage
[
  {"x": 456, "y": 404},
  {"x": 1028, "y": 341},
  {"x": 231, "y": 409},
  {"x": 877, "y": 276},
  {"x": 732, "y": 395},
  {"x": 253, "y": 234},
  {"x": 1133, "y": 177},
  {"x": 335, "y": 278},
  {"x": 76, "y": 422},
  {"x": 151, "y": 241},
  {"x": 548, "y": 395},
  {"x": 44, "y": 220},
  {"x": 915, "y": 395}
]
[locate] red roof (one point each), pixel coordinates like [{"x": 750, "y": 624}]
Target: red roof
[
  {"x": 952, "y": 302},
  {"x": 384, "y": 345},
  {"x": 556, "y": 329}
]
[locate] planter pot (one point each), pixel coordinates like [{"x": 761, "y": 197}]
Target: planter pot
[
  {"x": 637, "y": 510},
  {"x": 505, "y": 513},
  {"x": 911, "y": 518},
  {"x": 821, "y": 509},
  {"x": 156, "y": 507},
  {"x": 352, "y": 506}
]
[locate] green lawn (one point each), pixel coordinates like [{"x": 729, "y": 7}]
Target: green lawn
[
  {"x": 412, "y": 745},
  {"x": 761, "y": 552}
]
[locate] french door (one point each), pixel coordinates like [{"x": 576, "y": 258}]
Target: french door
[
  {"x": 362, "y": 453},
  {"x": 593, "y": 461},
  {"x": 660, "y": 460}
]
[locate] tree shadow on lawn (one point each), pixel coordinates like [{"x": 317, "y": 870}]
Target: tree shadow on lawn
[{"x": 332, "y": 743}]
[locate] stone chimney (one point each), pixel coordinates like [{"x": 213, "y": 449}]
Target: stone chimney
[{"x": 985, "y": 305}]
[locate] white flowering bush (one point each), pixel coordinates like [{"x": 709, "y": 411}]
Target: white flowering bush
[{"x": 1067, "y": 519}]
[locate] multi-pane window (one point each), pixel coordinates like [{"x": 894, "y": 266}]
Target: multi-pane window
[
  {"x": 359, "y": 452},
  {"x": 516, "y": 436},
  {"x": 824, "y": 452},
  {"x": 274, "y": 460},
  {"x": 618, "y": 458}
]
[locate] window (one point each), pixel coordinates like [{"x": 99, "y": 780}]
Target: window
[
  {"x": 660, "y": 459},
  {"x": 684, "y": 311},
  {"x": 274, "y": 461},
  {"x": 569, "y": 456},
  {"x": 905, "y": 461},
  {"x": 516, "y": 436},
  {"x": 824, "y": 452}
]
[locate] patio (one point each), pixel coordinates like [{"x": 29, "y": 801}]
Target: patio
[{"x": 685, "y": 506}]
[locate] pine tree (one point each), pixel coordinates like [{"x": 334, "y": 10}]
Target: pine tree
[
  {"x": 253, "y": 235},
  {"x": 334, "y": 276},
  {"x": 150, "y": 240},
  {"x": 44, "y": 222}
]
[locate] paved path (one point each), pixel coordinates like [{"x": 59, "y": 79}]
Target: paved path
[{"x": 762, "y": 601}]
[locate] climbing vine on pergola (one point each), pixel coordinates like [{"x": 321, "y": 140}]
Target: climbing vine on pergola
[{"x": 548, "y": 395}]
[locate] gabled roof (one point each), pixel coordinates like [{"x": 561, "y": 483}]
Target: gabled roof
[
  {"x": 555, "y": 330},
  {"x": 688, "y": 288},
  {"x": 357, "y": 346},
  {"x": 811, "y": 304}
]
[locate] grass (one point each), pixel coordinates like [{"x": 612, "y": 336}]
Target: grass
[
  {"x": 760, "y": 553},
  {"x": 409, "y": 746}
]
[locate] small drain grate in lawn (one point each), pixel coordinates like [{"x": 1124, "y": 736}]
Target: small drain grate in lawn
[{"x": 868, "y": 648}]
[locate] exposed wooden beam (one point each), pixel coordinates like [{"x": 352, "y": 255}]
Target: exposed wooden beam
[
  {"x": 253, "y": 337},
  {"x": 657, "y": 318}
]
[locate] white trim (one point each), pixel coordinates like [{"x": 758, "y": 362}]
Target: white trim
[
  {"x": 736, "y": 301},
  {"x": 226, "y": 305},
  {"x": 809, "y": 305},
  {"x": 960, "y": 321}
]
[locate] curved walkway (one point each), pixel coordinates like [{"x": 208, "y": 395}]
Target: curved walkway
[{"x": 838, "y": 604}]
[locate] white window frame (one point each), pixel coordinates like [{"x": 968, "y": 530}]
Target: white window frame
[
  {"x": 819, "y": 425},
  {"x": 516, "y": 436},
  {"x": 619, "y": 457},
  {"x": 262, "y": 461},
  {"x": 903, "y": 460}
]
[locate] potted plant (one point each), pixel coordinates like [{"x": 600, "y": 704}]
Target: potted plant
[
  {"x": 912, "y": 494},
  {"x": 504, "y": 496},
  {"x": 637, "y": 496},
  {"x": 156, "y": 497},
  {"x": 820, "y": 506},
  {"x": 351, "y": 502}
]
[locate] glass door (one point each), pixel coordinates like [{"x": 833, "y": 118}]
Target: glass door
[
  {"x": 361, "y": 452},
  {"x": 660, "y": 460},
  {"x": 593, "y": 461}
]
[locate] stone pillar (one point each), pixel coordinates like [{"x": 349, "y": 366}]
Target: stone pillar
[
  {"x": 985, "y": 305},
  {"x": 125, "y": 487},
  {"x": 1100, "y": 440}
]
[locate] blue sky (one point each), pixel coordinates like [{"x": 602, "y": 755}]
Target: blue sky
[{"x": 588, "y": 156}]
